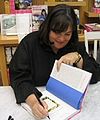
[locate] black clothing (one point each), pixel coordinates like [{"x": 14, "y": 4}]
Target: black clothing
[
  {"x": 32, "y": 64},
  {"x": 98, "y": 56}
]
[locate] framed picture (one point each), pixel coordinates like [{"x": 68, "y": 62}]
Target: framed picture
[{"x": 20, "y": 6}]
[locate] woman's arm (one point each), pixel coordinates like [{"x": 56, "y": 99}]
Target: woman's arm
[
  {"x": 40, "y": 111},
  {"x": 86, "y": 62},
  {"x": 70, "y": 59},
  {"x": 21, "y": 73}
]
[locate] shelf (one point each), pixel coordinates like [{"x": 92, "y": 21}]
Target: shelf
[
  {"x": 13, "y": 40},
  {"x": 83, "y": 3},
  {"x": 8, "y": 40},
  {"x": 91, "y": 14}
]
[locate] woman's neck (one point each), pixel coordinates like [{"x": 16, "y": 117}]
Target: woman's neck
[{"x": 55, "y": 50}]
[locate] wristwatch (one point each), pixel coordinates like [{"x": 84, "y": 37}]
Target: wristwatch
[{"x": 79, "y": 58}]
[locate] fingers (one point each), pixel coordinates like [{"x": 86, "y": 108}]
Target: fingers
[
  {"x": 45, "y": 105},
  {"x": 69, "y": 59},
  {"x": 40, "y": 111},
  {"x": 58, "y": 65},
  {"x": 68, "y": 62},
  {"x": 64, "y": 59}
]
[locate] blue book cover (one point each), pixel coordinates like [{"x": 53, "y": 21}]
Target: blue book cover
[{"x": 65, "y": 90}]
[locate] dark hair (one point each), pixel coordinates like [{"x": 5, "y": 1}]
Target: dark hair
[
  {"x": 58, "y": 20},
  {"x": 43, "y": 11}
]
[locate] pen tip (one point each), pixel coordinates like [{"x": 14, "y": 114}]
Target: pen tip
[{"x": 48, "y": 117}]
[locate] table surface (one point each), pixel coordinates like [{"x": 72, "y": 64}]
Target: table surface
[
  {"x": 90, "y": 109},
  {"x": 91, "y": 104}
]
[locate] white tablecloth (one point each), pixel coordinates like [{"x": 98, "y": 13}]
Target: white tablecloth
[
  {"x": 90, "y": 109},
  {"x": 91, "y": 104}
]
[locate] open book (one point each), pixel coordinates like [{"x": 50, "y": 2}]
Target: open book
[{"x": 64, "y": 91}]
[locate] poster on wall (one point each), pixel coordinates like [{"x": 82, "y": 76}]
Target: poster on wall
[{"x": 20, "y": 6}]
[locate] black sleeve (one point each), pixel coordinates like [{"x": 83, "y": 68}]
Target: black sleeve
[
  {"x": 20, "y": 74},
  {"x": 90, "y": 65}
]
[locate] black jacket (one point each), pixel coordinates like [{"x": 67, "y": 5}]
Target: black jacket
[{"x": 32, "y": 63}]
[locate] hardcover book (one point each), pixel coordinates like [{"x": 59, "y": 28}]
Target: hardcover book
[
  {"x": 64, "y": 92},
  {"x": 11, "y": 24},
  {"x": 92, "y": 27}
]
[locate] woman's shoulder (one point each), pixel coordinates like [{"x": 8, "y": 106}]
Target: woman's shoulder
[{"x": 31, "y": 38}]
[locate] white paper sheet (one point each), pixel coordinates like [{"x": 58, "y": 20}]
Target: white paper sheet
[{"x": 72, "y": 76}]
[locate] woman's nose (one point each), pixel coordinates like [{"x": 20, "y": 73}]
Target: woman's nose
[{"x": 61, "y": 38}]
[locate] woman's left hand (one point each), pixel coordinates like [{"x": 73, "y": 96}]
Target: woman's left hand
[{"x": 69, "y": 58}]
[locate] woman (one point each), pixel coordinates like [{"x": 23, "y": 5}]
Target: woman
[{"x": 33, "y": 60}]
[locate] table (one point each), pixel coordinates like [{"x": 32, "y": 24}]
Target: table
[
  {"x": 90, "y": 109},
  {"x": 91, "y": 104}
]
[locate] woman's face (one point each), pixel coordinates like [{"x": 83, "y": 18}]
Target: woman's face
[{"x": 59, "y": 40}]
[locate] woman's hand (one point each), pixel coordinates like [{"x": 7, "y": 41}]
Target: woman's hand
[
  {"x": 38, "y": 110},
  {"x": 70, "y": 59}
]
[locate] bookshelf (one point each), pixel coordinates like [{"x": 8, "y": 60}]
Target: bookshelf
[
  {"x": 85, "y": 8},
  {"x": 86, "y": 15},
  {"x": 92, "y": 14},
  {"x": 76, "y": 4},
  {"x": 83, "y": 3},
  {"x": 4, "y": 6},
  {"x": 4, "y": 42}
]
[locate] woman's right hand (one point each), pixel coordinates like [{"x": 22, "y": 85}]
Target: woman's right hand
[{"x": 38, "y": 110}]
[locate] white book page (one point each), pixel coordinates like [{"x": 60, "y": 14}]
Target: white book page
[
  {"x": 63, "y": 110},
  {"x": 71, "y": 76},
  {"x": 58, "y": 108}
]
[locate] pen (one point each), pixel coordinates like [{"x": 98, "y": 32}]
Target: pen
[{"x": 41, "y": 104}]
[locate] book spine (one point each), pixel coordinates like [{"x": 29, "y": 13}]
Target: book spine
[{"x": 12, "y": 6}]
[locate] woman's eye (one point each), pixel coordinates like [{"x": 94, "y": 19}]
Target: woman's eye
[{"x": 67, "y": 34}]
